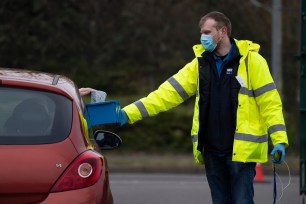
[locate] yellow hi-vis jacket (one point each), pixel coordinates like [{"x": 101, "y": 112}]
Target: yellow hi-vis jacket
[{"x": 259, "y": 111}]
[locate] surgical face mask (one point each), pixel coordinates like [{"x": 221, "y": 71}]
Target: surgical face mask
[{"x": 208, "y": 42}]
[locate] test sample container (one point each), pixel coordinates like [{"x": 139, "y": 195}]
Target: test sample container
[{"x": 102, "y": 113}]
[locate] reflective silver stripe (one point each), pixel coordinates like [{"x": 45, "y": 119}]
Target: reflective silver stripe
[
  {"x": 142, "y": 109},
  {"x": 264, "y": 89},
  {"x": 179, "y": 89},
  {"x": 247, "y": 68},
  {"x": 245, "y": 91},
  {"x": 194, "y": 138},
  {"x": 251, "y": 138},
  {"x": 276, "y": 128},
  {"x": 257, "y": 92}
]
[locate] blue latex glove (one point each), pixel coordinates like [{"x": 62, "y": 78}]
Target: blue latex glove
[
  {"x": 123, "y": 118},
  {"x": 280, "y": 147}
]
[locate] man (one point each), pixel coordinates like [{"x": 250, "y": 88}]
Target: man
[{"x": 237, "y": 106}]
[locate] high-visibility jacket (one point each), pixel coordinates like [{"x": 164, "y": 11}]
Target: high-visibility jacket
[{"x": 259, "y": 111}]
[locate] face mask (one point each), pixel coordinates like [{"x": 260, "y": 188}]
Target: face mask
[{"x": 208, "y": 43}]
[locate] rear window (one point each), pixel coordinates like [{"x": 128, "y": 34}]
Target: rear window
[{"x": 33, "y": 117}]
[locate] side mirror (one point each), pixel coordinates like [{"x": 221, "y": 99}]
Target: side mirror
[{"x": 107, "y": 140}]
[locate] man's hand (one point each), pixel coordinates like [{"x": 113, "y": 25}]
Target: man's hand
[
  {"x": 123, "y": 118},
  {"x": 281, "y": 148},
  {"x": 85, "y": 91}
]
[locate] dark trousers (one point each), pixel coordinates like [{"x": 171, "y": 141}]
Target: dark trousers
[{"x": 230, "y": 182}]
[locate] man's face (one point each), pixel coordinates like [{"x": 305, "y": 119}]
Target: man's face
[{"x": 209, "y": 28}]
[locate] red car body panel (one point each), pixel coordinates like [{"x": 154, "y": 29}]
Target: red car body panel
[
  {"x": 35, "y": 174},
  {"x": 85, "y": 195},
  {"x": 28, "y": 172}
]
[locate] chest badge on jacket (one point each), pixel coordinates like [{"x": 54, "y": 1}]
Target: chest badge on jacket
[{"x": 229, "y": 70}]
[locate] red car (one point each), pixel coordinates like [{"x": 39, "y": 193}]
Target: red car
[{"x": 46, "y": 153}]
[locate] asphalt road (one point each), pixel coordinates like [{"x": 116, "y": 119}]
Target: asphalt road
[{"x": 130, "y": 188}]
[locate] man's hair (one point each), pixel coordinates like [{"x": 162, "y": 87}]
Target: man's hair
[{"x": 220, "y": 18}]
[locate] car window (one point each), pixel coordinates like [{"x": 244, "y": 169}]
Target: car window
[{"x": 33, "y": 117}]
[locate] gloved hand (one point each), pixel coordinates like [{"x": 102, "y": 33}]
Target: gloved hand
[
  {"x": 123, "y": 118},
  {"x": 280, "y": 147}
]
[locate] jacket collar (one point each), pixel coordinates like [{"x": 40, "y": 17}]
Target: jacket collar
[
  {"x": 244, "y": 46},
  {"x": 232, "y": 54}
]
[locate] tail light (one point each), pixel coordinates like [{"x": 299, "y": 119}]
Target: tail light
[{"x": 83, "y": 172}]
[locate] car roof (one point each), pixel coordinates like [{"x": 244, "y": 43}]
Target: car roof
[{"x": 41, "y": 80}]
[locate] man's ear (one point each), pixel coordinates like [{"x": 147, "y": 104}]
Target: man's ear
[{"x": 224, "y": 31}]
